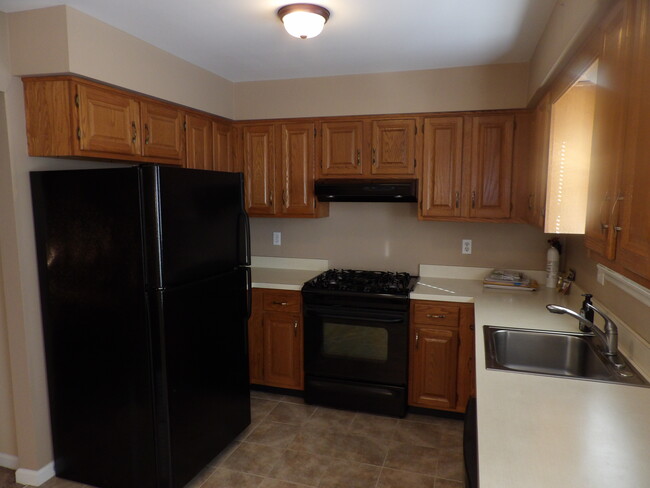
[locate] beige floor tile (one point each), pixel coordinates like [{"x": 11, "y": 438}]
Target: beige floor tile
[
  {"x": 289, "y": 413},
  {"x": 253, "y": 458},
  {"x": 393, "y": 478},
  {"x": 419, "y": 459},
  {"x": 292, "y": 399},
  {"x": 329, "y": 420},
  {"x": 260, "y": 408},
  {"x": 341, "y": 446},
  {"x": 226, "y": 478},
  {"x": 442, "y": 483},
  {"x": 418, "y": 434},
  {"x": 374, "y": 426},
  {"x": 300, "y": 467},
  {"x": 347, "y": 474},
  {"x": 451, "y": 465},
  {"x": 271, "y": 483},
  {"x": 273, "y": 434}
]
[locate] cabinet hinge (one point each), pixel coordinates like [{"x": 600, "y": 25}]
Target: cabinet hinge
[
  {"x": 79, "y": 133},
  {"x": 185, "y": 125},
  {"x": 76, "y": 99},
  {"x": 314, "y": 131}
]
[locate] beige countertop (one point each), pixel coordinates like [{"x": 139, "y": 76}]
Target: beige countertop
[
  {"x": 544, "y": 432},
  {"x": 284, "y": 273}
]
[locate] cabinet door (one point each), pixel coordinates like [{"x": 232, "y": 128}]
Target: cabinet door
[
  {"x": 491, "y": 166},
  {"x": 537, "y": 175},
  {"x": 222, "y": 147},
  {"x": 259, "y": 169},
  {"x": 109, "y": 121},
  {"x": 199, "y": 142},
  {"x": 283, "y": 350},
  {"x": 393, "y": 147},
  {"x": 434, "y": 361},
  {"x": 342, "y": 144},
  {"x": 297, "y": 168},
  {"x": 163, "y": 131},
  {"x": 633, "y": 251},
  {"x": 608, "y": 136},
  {"x": 441, "y": 167},
  {"x": 256, "y": 339}
]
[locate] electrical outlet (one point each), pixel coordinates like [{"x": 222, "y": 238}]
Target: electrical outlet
[
  {"x": 277, "y": 238},
  {"x": 467, "y": 246}
]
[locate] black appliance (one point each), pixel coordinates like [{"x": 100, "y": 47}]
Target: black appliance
[
  {"x": 145, "y": 297},
  {"x": 470, "y": 445},
  {"x": 358, "y": 190},
  {"x": 356, "y": 340}
]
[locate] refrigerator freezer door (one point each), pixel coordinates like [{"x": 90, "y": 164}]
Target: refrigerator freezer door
[
  {"x": 96, "y": 336},
  {"x": 204, "y": 332},
  {"x": 197, "y": 219}
]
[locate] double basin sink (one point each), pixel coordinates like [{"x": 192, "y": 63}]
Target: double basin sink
[{"x": 565, "y": 354}]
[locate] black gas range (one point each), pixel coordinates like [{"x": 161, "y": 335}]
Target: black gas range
[{"x": 356, "y": 340}]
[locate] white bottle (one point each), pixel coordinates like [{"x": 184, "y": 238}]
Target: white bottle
[{"x": 552, "y": 267}]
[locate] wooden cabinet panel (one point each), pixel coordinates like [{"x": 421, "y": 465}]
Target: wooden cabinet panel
[
  {"x": 259, "y": 169},
  {"x": 608, "y": 135},
  {"x": 491, "y": 166},
  {"x": 256, "y": 339},
  {"x": 222, "y": 147},
  {"x": 297, "y": 168},
  {"x": 393, "y": 147},
  {"x": 282, "y": 351},
  {"x": 282, "y": 301},
  {"x": 431, "y": 313},
  {"x": 108, "y": 121},
  {"x": 442, "y": 162},
  {"x": 434, "y": 364},
  {"x": 633, "y": 251},
  {"x": 342, "y": 148},
  {"x": 163, "y": 130},
  {"x": 537, "y": 174},
  {"x": 199, "y": 142}
]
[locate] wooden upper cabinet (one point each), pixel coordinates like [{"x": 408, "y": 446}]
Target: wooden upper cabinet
[
  {"x": 109, "y": 121},
  {"x": 608, "y": 136},
  {"x": 633, "y": 197},
  {"x": 198, "y": 133},
  {"x": 222, "y": 147},
  {"x": 259, "y": 169},
  {"x": 441, "y": 167},
  {"x": 342, "y": 148},
  {"x": 393, "y": 147},
  {"x": 491, "y": 166},
  {"x": 162, "y": 129},
  {"x": 535, "y": 205},
  {"x": 297, "y": 153}
]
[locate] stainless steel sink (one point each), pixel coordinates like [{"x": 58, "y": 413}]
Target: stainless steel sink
[{"x": 573, "y": 355}]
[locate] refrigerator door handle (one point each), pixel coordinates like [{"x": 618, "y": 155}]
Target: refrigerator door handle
[
  {"x": 244, "y": 239},
  {"x": 249, "y": 293}
]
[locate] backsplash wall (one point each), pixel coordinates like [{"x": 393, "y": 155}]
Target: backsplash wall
[{"x": 388, "y": 236}]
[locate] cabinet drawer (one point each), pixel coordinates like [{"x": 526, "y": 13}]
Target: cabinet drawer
[
  {"x": 436, "y": 314},
  {"x": 282, "y": 301}
]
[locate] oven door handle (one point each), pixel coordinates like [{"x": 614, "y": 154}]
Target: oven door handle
[{"x": 350, "y": 315}]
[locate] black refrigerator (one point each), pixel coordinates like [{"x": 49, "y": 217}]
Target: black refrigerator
[{"x": 145, "y": 296}]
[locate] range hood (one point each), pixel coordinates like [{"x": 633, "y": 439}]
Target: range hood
[{"x": 358, "y": 190}]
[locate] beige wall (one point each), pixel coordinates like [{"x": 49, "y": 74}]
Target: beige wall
[
  {"x": 629, "y": 309},
  {"x": 62, "y": 39},
  {"x": 472, "y": 88},
  {"x": 388, "y": 236},
  {"x": 565, "y": 30}
]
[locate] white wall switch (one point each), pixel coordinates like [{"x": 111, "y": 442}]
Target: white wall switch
[
  {"x": 277, "y": 238},
  {"x": 467, "y": 246}
]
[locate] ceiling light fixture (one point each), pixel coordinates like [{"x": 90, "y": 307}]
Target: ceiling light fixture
[{"x": 303, "y": 20}]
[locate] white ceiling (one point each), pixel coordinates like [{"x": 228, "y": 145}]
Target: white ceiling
[{"x": 243, "y": 40}]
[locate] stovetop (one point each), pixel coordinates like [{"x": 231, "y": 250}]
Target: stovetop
[{"x": 355, "y": 281}]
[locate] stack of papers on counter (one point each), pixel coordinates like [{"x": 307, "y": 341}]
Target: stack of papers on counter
[{"x": 507, "y": 278}]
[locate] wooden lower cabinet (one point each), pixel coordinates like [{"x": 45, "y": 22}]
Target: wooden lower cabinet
[
  {"x": 441, "y": 360},
  {"x": 275, "y": 339}
]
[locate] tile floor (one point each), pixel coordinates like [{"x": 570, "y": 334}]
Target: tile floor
[{"x": 293, "y": 445}]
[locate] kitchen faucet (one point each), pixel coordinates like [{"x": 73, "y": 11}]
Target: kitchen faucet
[{"x": 609, "y": 338}]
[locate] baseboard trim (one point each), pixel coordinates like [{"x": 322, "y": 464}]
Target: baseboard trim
[
  {"x": 35, "y": 478},
  {"x": 8, "y": 461}
]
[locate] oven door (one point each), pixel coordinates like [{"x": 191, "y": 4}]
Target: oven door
[{"x": 356, "y": 344}]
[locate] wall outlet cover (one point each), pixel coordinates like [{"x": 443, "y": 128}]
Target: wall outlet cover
[
  {"x": 277, "y": 238},
  {"x": 467, "y": 246}
]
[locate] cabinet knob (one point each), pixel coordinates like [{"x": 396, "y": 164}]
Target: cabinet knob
[
  {"x": 474, "y": 199},
  {"x": 457, "y": 199},
  {"x": 134, "y": 132},
  {"x": 374, "y": 156},
  {"x": 146, "y": 134},
  {"x": 417, "y": 340},
  {"x": 284, "y": 304},
  {"x": 358, "y": 157},
  {"x": 295, "y": 328}
]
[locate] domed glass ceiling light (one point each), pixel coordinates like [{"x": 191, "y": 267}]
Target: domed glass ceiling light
[{"x": 303, "y": 20}]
